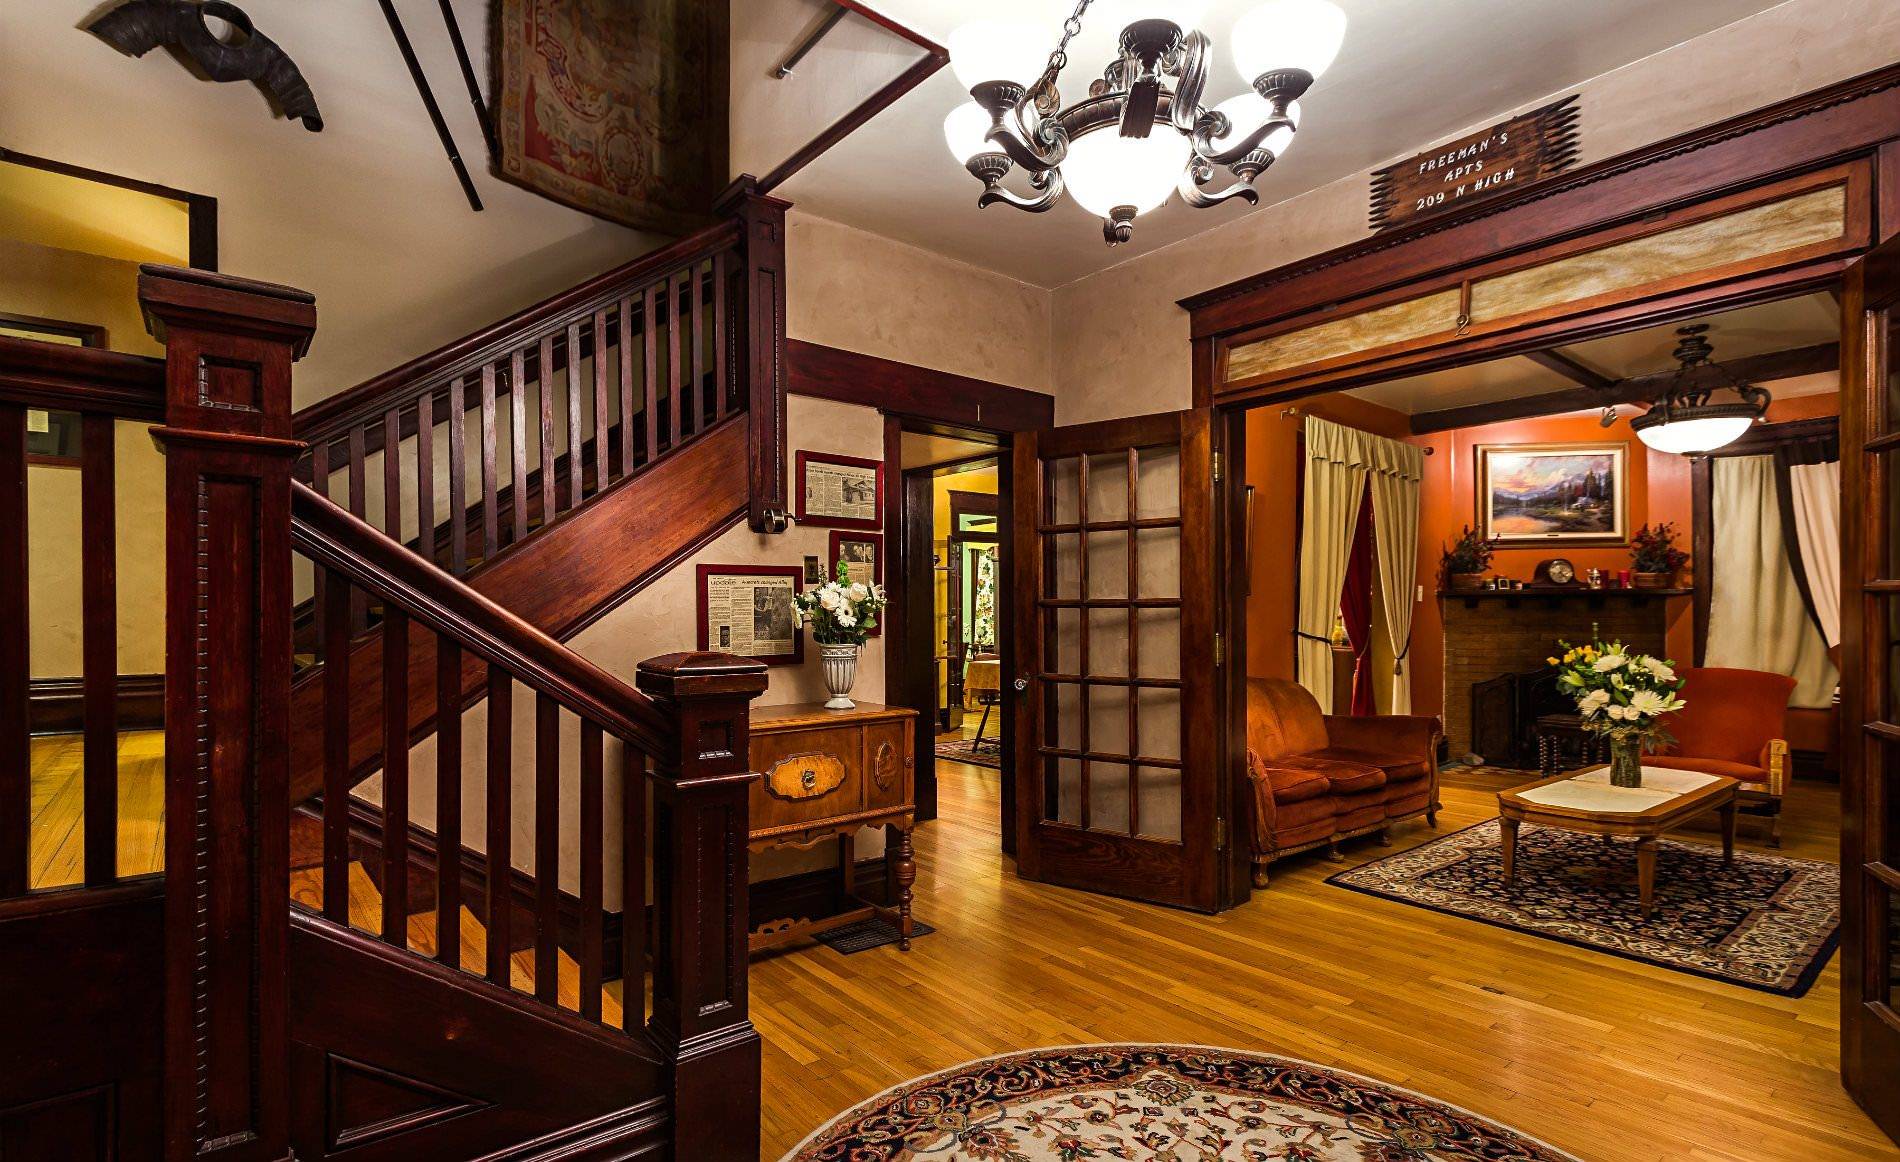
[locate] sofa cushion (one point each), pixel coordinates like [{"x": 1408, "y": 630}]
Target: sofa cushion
[
  {"x": 1396, "y": 767},
  {"x": 1292, "y": 782},
  {"x": 1746, "y": 772},
  {"x": 1349, "y": 778},
  {"x": 1289, "y": 817},
  {"x": 1730, "y": 714}
]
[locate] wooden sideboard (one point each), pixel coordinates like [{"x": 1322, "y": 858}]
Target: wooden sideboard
[{"x": 824, "y": 775}]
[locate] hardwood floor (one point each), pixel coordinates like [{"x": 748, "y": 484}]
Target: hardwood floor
[
  {"x": 56, "y": 850},
  {"x": 1606, "y": 1058}
]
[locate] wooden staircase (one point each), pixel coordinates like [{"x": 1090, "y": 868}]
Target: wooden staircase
[{"x": 325, "y": 969}]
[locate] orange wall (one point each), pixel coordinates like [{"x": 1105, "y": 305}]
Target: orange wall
[
  {"x": 1273, "y": 469},
  {"x": 1657, "y": 491}
]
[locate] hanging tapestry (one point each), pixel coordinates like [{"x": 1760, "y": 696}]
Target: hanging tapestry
[{"x": 616, "y": 107}]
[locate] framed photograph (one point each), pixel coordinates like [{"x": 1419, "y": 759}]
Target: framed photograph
[
  {"x": 747, "y": 610},
  {"x": 840, "y": 492},
  {"x": 814, "y": 570},
  {"x": 1553, "y": 494},
  {"x": 863, "y": 557}
]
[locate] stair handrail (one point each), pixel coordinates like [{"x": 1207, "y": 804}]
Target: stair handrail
[
  {"x": 330, "y": 536},
  {"x": 333, "y": 416}
]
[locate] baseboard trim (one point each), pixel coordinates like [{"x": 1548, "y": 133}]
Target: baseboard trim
[
  {"x": 638, "y": 1131},
  {"x": 58, "y": 705}
]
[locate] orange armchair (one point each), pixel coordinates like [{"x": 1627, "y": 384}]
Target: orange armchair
[
  {"x": 1734, "y": 724},
  {"x": 1320, "y": 778}
]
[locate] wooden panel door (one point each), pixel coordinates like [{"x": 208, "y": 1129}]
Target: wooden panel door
[
  {"x": 1114, "y": 606},
  {"x": 1870, "y": 686}
]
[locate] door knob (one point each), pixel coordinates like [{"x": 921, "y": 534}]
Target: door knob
[{"x": 1020, "y": 685}]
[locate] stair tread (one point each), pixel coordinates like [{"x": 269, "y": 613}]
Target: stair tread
[{"x": 366, "y": 915}]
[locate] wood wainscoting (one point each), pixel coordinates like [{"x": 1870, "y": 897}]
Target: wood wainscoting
[{"x": 58, "y": 705}]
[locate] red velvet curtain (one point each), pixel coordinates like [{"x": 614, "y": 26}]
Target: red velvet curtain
[{"x": 1355, "y": 606}]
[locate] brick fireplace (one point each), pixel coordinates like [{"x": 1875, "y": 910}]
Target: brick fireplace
[{"x": 1488, "y": 635}]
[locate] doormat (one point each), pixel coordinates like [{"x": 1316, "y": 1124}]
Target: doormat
[
  {"x": 868, "y": 934},
  {"x": 1765, "y": 922}
]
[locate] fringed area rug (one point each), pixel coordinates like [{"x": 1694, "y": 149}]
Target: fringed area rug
[
  {"x": 1765, "y": 921},
  {"x": 1158, "y": 1103},
  {"x": 963, "y": 750}
]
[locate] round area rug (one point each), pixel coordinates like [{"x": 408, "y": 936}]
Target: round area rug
[{"x": 1158, "y": 1103}]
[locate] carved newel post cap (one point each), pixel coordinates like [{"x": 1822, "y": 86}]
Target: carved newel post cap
[
  {"x": 701, "y": 674},
  {"x": 205, "y": 299}
]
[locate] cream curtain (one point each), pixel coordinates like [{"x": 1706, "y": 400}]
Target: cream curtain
[
  {"x": 1757, "y": 620},
  {"x": 1335, "y": 487},
  {"x": 1396, "y": 470},
  {"x": 1339, "y": 462},
  {"x": 1816, "y": 492}
]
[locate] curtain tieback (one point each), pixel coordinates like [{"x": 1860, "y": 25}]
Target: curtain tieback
[
  {"x": 1398, "y": 659},
  {"x": 1313, "y": 637}
]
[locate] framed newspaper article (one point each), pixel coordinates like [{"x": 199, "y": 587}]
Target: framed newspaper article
[
  {"x": 840, "y": 492},
  {"x": 747, "y": 610},
  {"x": 862, "y": 555}
]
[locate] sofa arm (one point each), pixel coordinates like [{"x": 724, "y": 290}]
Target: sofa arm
[
  {"x": 1264, "y": 808},
  {"x": 1774, "y": 760},
  {"x": 1412, "y": 735}
]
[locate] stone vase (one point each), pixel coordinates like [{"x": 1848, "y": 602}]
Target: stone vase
[
  {"x": 840, "y": 664},
  {"x": 1626, "y": 760}
]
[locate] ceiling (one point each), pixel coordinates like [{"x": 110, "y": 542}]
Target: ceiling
[
  {"x": 1410, "y": 73},
  {"x": 922, "y": 449},
  {"x": 1779, "y": 326}
]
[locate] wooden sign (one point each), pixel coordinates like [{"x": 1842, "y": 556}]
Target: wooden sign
[{"x": 1477, "y": 166}]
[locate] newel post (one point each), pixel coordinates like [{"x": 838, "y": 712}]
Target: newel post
[
  {"x": 762, "y": 291},
  {"x": 229, "y": 344},
  {"x": 700, "y": 1015}
]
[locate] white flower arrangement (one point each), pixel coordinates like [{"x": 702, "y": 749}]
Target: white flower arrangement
[
  {"x": 841, "y": 612},
  {"x": 1619, "y": 693}
]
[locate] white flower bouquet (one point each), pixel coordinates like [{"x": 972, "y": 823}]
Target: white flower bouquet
[
  {"x": 841, "y": 612},
  {"x": 1621, "y": 695}
]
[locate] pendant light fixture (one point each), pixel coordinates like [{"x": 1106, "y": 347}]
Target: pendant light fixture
[
  {"x": 1705, "y": 406},
  {"x": 1142, "y": 134}
]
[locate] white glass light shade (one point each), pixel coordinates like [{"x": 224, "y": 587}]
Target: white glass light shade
[
  {"x": 963, "y": 131},
  {"x": 998, "y": 50},
  {"x": 1105, "y": 170},
  {"x": 1247, "y": 113},
  {"x": 1288, "y": 34},
  {"x": 1684, "y": 437}
]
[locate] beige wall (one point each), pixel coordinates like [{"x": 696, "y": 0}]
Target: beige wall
[
  {"x": 1121, "y": 343},
  {"x": 865, "y": 293}
]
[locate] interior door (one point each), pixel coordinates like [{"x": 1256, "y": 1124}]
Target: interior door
[
  {"x": 1115, "y": 657},
  {"x": 1870, "y": 687}
]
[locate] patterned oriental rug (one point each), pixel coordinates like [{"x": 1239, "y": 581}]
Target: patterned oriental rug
[
  {"x": 1766, "y": 922},
  {"x": 965, "y": 750},
  {"x": 1149, "y": 1103}
]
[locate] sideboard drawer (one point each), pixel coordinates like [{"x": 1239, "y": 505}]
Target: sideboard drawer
[{"x": 807, "y": 775}]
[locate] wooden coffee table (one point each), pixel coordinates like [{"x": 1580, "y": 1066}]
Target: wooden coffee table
[{"x": 1585, "y": 801}]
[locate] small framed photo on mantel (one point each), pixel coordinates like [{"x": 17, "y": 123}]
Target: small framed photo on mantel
[
  {"x": 747, "y": 610},
  {"x": 840, "y": 492}
]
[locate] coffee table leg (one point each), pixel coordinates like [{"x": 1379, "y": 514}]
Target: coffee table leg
[
  {"x": 1728, "y": 832},
  {"x": 1509, "y": 827},
  {"x": 1646, "y": 873}
]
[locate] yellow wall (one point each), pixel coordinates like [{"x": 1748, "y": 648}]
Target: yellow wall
[
  {"x": 72, "y": 286},
  {"x": 978, "y": 480},
  {"x": 72, "y": 213}
]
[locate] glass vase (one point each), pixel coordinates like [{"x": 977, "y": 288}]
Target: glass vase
[{"x": 1626, "y": 760}]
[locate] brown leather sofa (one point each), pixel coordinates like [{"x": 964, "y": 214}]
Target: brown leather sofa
[{"x": 1320, "y": 778}]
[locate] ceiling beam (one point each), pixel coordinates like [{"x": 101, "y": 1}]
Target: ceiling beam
[
  {"x": 1637, "y": 389},
  {"x": 1555, "y": 360}
]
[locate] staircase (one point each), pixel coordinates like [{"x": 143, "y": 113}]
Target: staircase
[{"x": 523, "y": 940}]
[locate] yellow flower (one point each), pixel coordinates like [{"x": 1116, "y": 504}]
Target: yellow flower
[{"x": 1551, "y": 661}]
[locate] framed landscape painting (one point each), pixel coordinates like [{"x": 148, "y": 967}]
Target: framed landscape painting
[{"x": 1540, "y": 494}]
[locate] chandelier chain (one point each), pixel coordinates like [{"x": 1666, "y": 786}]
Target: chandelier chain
[{"x": 1045, "y": 88}]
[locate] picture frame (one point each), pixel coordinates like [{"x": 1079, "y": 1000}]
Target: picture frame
[
  {"x": 839, "y": 492},
  {"x": 747, "y": 610},
  {"x": 1553, "y": 494},
  {"x": 851, "y": 547}
]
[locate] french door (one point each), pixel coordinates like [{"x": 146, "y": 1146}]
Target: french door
[
  {"x": 1870, "y": 687},
  {"x": 1118, "y": 787}
]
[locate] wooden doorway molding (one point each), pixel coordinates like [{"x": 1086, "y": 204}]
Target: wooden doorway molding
[{"x": 921, "y": 399}]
